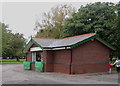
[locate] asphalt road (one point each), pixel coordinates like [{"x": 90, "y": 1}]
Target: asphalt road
[{"x": 14, "y": 74}]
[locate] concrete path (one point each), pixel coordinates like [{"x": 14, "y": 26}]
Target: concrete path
[{"x": 14, "y": 74}]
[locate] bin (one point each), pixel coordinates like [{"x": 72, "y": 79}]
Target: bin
[
  {"x": 38, "y": 66},
  {"x": 26, "y": 65}
]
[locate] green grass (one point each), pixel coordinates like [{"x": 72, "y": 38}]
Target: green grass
[
  {"x": 12, "y": 61},
  {"x": 8, "y": 60},
  {"x": 23, "y": 60}
]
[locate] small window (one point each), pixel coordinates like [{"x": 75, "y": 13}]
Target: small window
[
  {"x": 33, "y": 56},
  {"x": 37, "y": 56}
]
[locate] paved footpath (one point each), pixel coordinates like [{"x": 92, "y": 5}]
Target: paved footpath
[{"x": 14, "y": 74}]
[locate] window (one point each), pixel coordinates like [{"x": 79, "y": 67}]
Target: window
[
  {"x": 37, "y": 56},
  {"x": 33, "y": 56}
]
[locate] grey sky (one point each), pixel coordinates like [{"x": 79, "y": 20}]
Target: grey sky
[{"x": 21, "y": 16}]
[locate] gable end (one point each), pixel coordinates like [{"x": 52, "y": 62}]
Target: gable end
[{"x": 94, "y": 37}]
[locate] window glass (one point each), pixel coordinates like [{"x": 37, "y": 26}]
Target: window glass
[
  {"x": 33, "y": 56},
  {"x": 37, "y": 56}
]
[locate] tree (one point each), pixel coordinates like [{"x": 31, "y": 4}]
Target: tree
[
  {"x": 53, "y": 21},
  {"x": 12, "y": 44},
  {"x": 17, "y": 44},
  {"x": 97, "y": 18},
  {"x": 5, "y": 42},
  {"x": 0, "y": 39},
  {"x": 117, "y": 31}
]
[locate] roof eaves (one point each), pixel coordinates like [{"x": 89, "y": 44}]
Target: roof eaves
[
  {"x": 27, "y": 45},
  {"x": 31, "y": 41}
]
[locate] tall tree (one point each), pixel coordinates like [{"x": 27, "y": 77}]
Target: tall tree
[
  {"x": 5, "y": 42},
  {"x": 12, "y": 44},
  {"x": 117, "y": 31},
  {"x": 97, "y": 18},
  {"x": 53, "y": 21},
  {"x": 0, "y": 39}
]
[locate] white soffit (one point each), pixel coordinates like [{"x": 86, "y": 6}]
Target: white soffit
[
  {"x": 35, "y": 49},
  {"x": 58, "y": 48}
]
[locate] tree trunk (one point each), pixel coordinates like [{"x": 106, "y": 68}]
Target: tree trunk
[{"x": 17, "y": 58}]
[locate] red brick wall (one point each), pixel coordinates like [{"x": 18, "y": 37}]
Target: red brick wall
[
  {"x": 34, "y": 45},
  {"x": 92, "y": 51},
  {"x": 56, "y": 61},
  {"x": 90, "y": 68},
  {"x": 28, "y": 56},
  {"x": 61, "y": 57},
  {"x": 48, "y": 59}
]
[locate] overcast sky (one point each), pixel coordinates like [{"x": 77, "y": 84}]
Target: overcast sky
[{"x": 21, "y": 16}]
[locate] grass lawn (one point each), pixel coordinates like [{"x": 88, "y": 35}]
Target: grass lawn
[{"x": 12, "y": 61}]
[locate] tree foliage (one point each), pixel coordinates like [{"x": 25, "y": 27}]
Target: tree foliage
[
  {"x": 117, "y": 31},
  {"x": 53, "y": 21},
  {"x": 12, "y": 44},
  {"x": 100, "y": 18},
  {"x": 97, "y": 17}
]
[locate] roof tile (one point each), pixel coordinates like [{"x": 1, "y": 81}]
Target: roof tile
[{"x": 51, "y": 43}]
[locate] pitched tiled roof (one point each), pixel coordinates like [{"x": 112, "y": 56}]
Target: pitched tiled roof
[
  {"x": 70, "y": 42},
  {"x": 52, "y": 43}
]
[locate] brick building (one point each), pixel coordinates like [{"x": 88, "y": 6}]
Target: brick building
[{"x": 85, "y": 53}]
